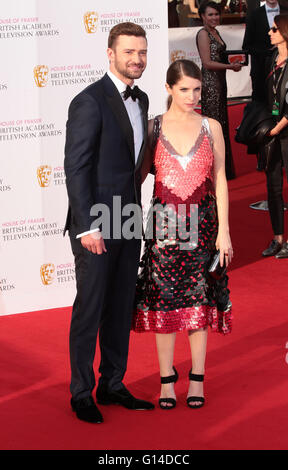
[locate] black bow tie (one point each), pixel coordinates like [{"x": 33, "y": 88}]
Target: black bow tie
[{"x": 133, "y": 92}]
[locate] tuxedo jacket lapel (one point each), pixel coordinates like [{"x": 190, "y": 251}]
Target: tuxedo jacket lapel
[
  {"x": 265, "y": 21},
  {"x": 117, "y": 106},
  {"x": 145, "y": 125}
]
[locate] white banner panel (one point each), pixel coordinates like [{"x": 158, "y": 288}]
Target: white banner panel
[
  {"x": 50, "y": 51},
  {"x": 182, "y": 44}
]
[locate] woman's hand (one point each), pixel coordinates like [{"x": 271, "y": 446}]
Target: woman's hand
[
  {"x": 236, "y": 67},
  {"x": 223, "y": 243},
  {"x": 279, "y": 127},
  {"x": 273, "y": 132}
]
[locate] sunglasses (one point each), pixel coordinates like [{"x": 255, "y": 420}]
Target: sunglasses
[{"x": 274, "y": 29}]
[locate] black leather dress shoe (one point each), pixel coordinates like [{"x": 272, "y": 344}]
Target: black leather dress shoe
[
  {"x": 121, "y": 397},
  {"x": 86, "y": 410},
  {"x": 272, "y": 249},
  {"x": 283, "y": 253}
]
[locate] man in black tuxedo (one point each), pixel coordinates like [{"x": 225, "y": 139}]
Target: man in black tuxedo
[
  {"x": 105, "y": 143},
  {"x": 251, "y": 6},
  {"x": 257, "y": 43}
]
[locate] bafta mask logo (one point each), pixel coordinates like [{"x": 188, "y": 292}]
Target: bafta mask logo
[
  {"x": 91, "y": 21},
  {"x": 177, "y": 55},
  {"x": 41, "y": 75},
  {"x": 44, "y": 175},
  {"x": 47, "y": 273}
]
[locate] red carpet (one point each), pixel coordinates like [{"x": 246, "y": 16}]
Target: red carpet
[{"x": 246, "y": 378}]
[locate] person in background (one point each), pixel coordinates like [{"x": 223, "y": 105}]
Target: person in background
[
  {"x": 256, "y": 41},
  {"x": 173, "y": 18},
  {"x": 276, "y": 86},
  {"x": 251, "y": 6},
  {"x": 187, "y": 7},
  {"x": 214, "y": 87}
]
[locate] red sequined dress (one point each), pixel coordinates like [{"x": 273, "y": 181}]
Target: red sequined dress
[{"x": 174, "y": 290}]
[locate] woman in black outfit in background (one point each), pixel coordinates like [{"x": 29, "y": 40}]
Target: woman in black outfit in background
[
  {"x": 277, "y": 81},
  {"x": 211, "y": 48}
]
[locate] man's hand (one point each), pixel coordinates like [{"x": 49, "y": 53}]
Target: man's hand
[{"x": 94, "y": 242}]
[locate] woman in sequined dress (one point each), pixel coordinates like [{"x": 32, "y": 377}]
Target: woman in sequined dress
[
  {"x": 188, "y": 218},
  {"x": 214, "y": 87}
]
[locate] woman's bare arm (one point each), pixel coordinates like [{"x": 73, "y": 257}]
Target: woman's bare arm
[
  {"x": 223, "y": 242},
  {"x": 203, "y": 43}
]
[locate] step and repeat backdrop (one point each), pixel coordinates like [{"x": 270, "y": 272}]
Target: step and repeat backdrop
[{"x": 50, "y": 51}]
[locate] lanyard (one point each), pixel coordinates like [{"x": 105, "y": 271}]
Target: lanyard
[
  {"x": 275, "y": 85},
  {"x": 272, "y": 72},
  {"x": 276, "y": 105}
]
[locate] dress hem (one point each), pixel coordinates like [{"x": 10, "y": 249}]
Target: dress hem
[{"x": 183, "y": 319}]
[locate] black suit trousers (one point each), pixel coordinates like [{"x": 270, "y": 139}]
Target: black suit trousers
[{"x": 104, "y": 302}]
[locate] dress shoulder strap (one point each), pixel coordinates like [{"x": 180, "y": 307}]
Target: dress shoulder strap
[
  {"x": 156, "y": 132},
  {"x": 206, "y": 125},
  {"x": 206, "y": 128}
]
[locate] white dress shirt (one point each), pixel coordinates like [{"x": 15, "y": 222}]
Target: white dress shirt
[
  {"x": 134, "y": 113},
  {"x": 271, "y": 14},
  {"x": 135, "y": 116}
]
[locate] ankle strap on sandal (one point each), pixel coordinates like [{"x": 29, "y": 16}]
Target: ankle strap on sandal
[
  {"x": 170, "y": 378},
  {"x": 196, "y": 377}
]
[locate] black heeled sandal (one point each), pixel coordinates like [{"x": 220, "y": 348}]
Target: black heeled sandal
[
  {"x": 170, "y": 401},
  {"x": 193, "y": 399}
]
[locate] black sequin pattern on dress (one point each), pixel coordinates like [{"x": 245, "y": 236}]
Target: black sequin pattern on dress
[{"x": 174, "y": 291}]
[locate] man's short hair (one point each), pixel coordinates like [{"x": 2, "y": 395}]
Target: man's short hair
[{"x": 125, "y": 29}]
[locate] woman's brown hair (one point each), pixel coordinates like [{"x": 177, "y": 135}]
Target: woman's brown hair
[
  {"x": 179, "y": 69},
  {"x": 281, "y": 22}
]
